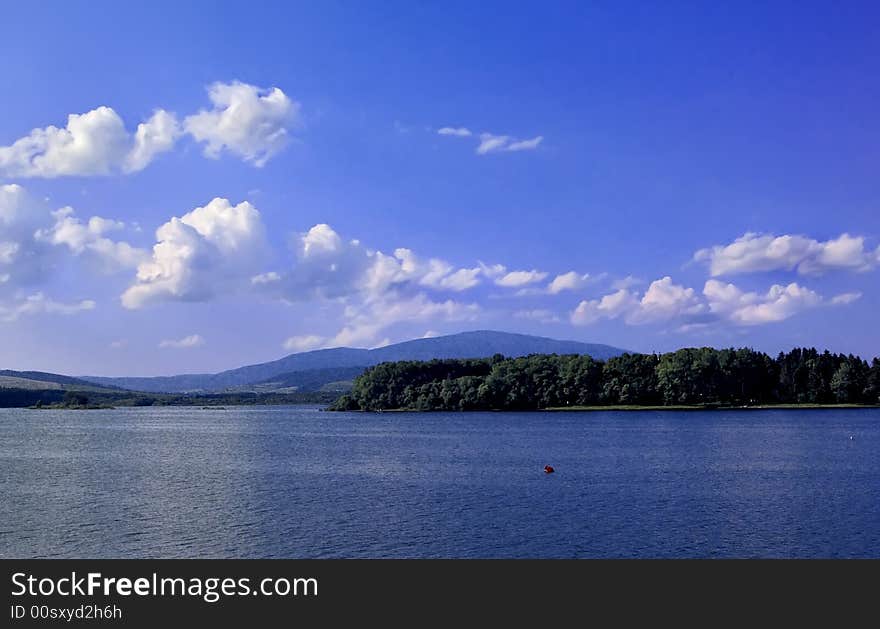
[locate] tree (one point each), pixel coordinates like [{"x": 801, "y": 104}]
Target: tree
[
  {"x": 75, "y": 398},
  {"x": 694, "y": 376}
]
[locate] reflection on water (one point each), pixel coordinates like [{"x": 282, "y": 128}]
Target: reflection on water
[{"x": 298, "y": 482}]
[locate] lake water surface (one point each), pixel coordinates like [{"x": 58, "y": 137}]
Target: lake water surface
[{"x": 298, "y": 482}]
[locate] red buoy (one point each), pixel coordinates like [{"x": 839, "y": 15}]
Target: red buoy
[{"x": 548, "y": 469}]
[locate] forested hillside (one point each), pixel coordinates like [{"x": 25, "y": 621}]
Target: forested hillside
[{"x": 695, "y": 376}]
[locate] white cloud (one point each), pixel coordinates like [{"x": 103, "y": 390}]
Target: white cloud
[
  {"x": 492, "y": 270},
  {"x": 540, "y": 315},
  {"x": 89, "y": 238},
  {"x": 436, "y": 273},
  {"x": 93, "y": 143},
  {"x": 460, "y": 132},
  {"x": 515, "y": 279},
  {"x": 212, "y": 250},
  {"x": 365, "y": 321},
  {"x": 34, "y": 240},
  {"x": 119, "y": 344},
  {"x": 749, "y": 308},
  {"x": 266, "y": 278},
  {"x": 248, "y": 121},
  {"x": 304, "y": 343},
  {"x": 187, "y": 342},
  {"x": 753, "y": 252},
  {"x": 845, "y": 298},
  {"x": 568, "y": 281},
  {"x": 460, "y": 280},
  {"x": 608, "y": 307},
  {"x": 329, "y": 267},
  {"x": 38, "y": 303},
  {"x": 156, "y": 135},
  {"x": 525, "y": 145},
  {"x": 490, "y": 143},
  {"x": 665, "y": 301}
]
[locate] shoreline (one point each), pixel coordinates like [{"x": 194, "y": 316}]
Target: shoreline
[{"x": 628, "y": 408}]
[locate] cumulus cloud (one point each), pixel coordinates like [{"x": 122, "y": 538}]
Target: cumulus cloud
[
  {"x": 212, "y": 250},
  {"x": 187, "y": 342},
  {"x": 329, "y": 267},
  {"x": 754, "y": 252},
  {"x": 33, "y": 239},
  {"x": 568, "y": 281},
  {"x": 93, "y": 143},
  {"x": 461, "y": 132},
  {"x": 89, "y": 238},
  {"x": 666, "y": 301},
  {"x": 516, "y": 279},
  {"x": 610, "y": 306},
  {"x": 750, "y": 308},
  {"x": 38, "y": 303},
  {"x": 436, "y": 273},
  {"x": 156, "y": 135},
  {"x": 247, "y": 121}
]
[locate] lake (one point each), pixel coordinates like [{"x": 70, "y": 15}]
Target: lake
[{"x": 296, "y": 482}]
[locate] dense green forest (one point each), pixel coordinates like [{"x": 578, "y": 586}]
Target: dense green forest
[{"x": 695, "y": 376}]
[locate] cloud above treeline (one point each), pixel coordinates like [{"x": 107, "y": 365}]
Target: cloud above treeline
[
  {"x": 666, "y": 301},
  {"x": 246, "y": 121},
  {"x": 221, "y": 250},
  {"x": 753, "y": 253}
]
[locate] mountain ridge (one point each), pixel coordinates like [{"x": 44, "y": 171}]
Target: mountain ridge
[{"x": 473, "y": 344}]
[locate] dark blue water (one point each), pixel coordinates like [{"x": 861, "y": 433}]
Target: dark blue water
[{"x": 297, "y": 482}]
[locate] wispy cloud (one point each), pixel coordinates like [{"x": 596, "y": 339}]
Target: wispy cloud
[
  {"x": 461, "y": 132},
  {"x": 38, "y": 303},
  {"x": 490, "y": 143},
  {"x": 494, "y": 143},
  {"x": 187, "y": 342}
]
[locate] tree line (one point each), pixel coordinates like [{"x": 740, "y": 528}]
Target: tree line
[
  {"x": 693, "y": 376},
  {"x": 56, "y": 398}
]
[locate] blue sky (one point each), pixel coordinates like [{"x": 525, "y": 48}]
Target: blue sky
[{"x": 539, "y": 168}]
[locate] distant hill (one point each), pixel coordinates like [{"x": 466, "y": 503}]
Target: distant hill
[
  {"x": 39, "y": 380},
  {"x": 345, "y": 363},
  {"x": 25, "y": 388}
]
